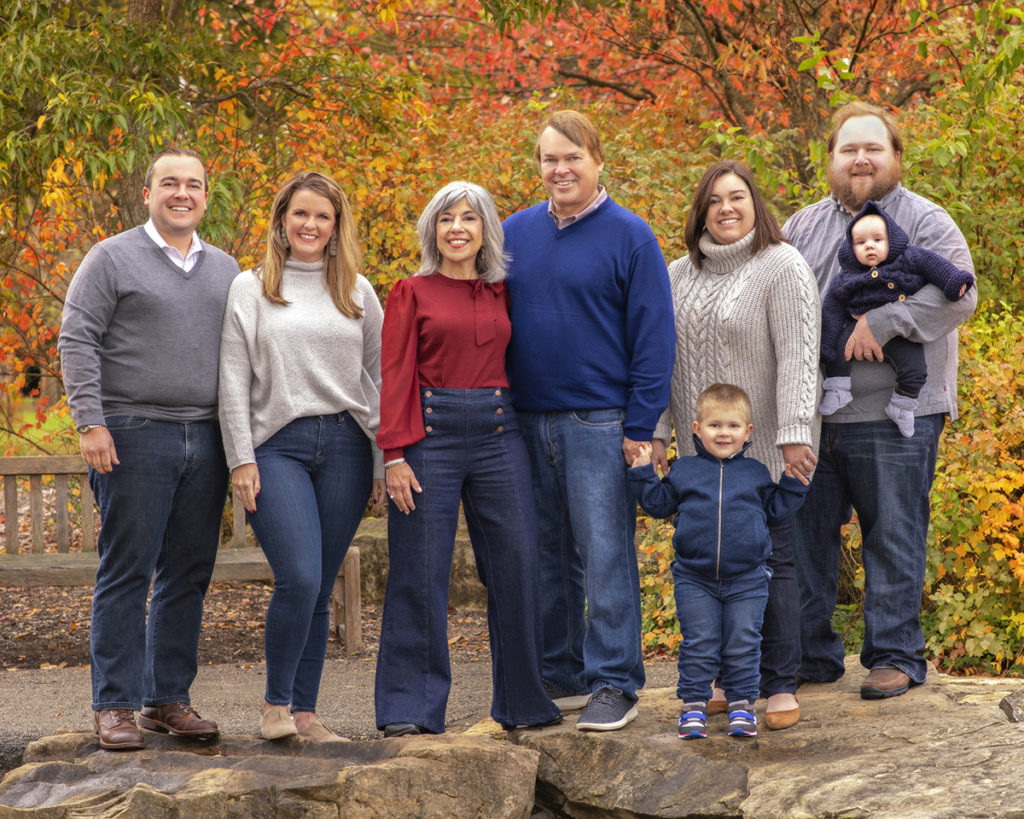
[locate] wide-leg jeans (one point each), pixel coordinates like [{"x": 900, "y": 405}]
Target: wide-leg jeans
[
  {"x": 586, "y": 518},
  {"x": 473, "y": 451},
  {"x": 887, "y": 478},
  {"x": 160, "y": 510},
  {"x": 315, "y": 479}
]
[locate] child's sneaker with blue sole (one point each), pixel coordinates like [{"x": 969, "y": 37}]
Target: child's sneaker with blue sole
[
  {"x": 742, "y": 719},
  {"x": 693, "y": 721}
]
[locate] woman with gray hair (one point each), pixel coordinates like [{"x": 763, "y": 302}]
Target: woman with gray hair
[{"x": 449, "y": 434}]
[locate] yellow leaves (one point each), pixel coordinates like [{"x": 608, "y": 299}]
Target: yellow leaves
[{"x": 387, "y": 10}]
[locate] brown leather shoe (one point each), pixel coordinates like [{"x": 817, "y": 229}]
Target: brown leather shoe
[
  {"x": 178, "y": 718},
  {"x": 883, "y": 682},
  {"x": 117, "y": 730}
]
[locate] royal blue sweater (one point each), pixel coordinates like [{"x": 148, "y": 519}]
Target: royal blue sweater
[
  {"x": 592, "y": 318},
  {"x": 723, "y": 509}
]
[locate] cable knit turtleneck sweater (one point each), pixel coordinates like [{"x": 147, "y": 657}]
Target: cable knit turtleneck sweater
[
  {"x": 279, "y": 362},
  {"x": 752, "y": 321}
]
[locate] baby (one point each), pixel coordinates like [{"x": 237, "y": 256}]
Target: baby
[{"x": 877, "y": 266}]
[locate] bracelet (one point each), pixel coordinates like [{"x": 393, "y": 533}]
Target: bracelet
[{"x": 395, "y": 462}]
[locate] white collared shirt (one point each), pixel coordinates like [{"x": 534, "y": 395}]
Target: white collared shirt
[
  {"x": 186, "y": 262},
  {"x": 565, "y": 221}
]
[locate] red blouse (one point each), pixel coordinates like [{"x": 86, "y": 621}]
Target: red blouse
[{"x": 438, "y": 332}]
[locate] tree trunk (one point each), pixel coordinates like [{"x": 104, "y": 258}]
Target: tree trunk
[{"x": 144, "y": 12}]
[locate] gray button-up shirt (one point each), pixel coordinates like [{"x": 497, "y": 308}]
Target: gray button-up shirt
[{"x": 927, "y": 316}]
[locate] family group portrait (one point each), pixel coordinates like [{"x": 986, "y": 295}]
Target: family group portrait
[{"x": 531, "y": 408}]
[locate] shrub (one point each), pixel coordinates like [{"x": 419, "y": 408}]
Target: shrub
[{"x": 973, "y": 592}]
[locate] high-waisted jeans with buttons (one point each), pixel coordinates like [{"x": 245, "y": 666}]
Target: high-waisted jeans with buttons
[{"x": 473, "y": 451}]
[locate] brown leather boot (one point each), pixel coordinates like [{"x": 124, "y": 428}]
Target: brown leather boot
[
  {"x": 117, "y": 730},
  {"x": 179, "y": 719}
]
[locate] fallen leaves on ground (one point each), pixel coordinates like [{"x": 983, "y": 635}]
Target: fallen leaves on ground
[{"x": 48, "y": 627}]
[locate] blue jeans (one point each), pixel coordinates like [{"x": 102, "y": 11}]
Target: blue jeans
[
  {"x": 886, "y": 478},
  {"x": 589, "y": 581},
  {"x": 161, "y": 511},
  {"x": 721, "y": 625},
  {"x": 473, "y": 452},
  {"x": 315, "y": 478}
]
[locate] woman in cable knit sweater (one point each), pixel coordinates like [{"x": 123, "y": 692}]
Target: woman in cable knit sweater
[
  {"x": 748, "y": 313},
  {"x": 299, "y": 411}
]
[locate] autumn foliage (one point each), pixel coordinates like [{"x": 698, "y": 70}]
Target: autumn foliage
[{"x": 396, "y": 98}]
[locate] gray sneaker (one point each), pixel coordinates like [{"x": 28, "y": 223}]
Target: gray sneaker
[
  {"x": 563, "y": 700},
  {"x": 608, "y": 710}
]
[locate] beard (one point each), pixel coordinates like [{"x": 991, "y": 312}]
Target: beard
[{"x": 882, "y": 182}]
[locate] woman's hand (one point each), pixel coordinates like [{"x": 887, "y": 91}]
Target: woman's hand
[
  {"x": 377, "y": 494},
  {"x": 401, "y": 483},
  {"x": 800, "y": 461},
  {"x": 245, "y": 485},
  {"x": 659, "y": 456}
]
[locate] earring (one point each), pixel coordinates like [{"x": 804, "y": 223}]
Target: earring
[
  {"x": 332, "y": 245},
  {"x": 284, "y": 238}
]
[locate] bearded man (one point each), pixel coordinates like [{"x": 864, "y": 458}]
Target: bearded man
[{"x": 864, "y": 460}]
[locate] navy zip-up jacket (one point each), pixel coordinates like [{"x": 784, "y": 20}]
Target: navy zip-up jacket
[
  {"x": 723, "y": 509},
  {"x": 858, "y": 288}
]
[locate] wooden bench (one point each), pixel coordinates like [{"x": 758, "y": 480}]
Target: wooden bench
[{"x": 235, "y": 560}]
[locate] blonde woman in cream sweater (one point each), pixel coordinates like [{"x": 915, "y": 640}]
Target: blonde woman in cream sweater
[
  {"x": 748, "y": 313},
  {"x": 299, "y": 411}
]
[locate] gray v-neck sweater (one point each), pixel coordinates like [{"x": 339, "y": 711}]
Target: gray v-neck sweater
[{"x": 139, "y": 335}]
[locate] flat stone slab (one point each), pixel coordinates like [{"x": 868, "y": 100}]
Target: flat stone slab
[
  {"x": 948, "y": 748},
  {"x": 944, "y": 749},
  {"x": 68, "y": 775}
]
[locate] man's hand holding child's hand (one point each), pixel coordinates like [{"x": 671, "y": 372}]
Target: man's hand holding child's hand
[{"x": 643, "y": 455}]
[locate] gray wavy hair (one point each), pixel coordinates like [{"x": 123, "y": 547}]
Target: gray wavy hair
[{"x": 491, "y": 261}]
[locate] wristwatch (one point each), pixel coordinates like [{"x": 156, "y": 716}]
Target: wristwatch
[{"x": 88, "y": 428}]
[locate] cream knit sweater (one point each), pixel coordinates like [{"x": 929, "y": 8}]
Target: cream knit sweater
[
  {"x": 752, "y": 321},
  {"x": 279, "y": 362}
]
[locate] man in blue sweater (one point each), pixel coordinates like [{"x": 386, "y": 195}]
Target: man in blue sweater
[
  {"x": 593, "y": 344},
  {"x": 139, "y": 347}
]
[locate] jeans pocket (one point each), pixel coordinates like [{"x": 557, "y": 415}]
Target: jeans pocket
[
  {"x": 349, "y": 426},
  {"x": 125, "y": 423},
  {"x": 598, "y": 417}
]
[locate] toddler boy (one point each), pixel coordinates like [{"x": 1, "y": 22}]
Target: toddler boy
[{"x": 724, "y": 503}]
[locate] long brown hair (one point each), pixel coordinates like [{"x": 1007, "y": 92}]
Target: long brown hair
[
  {"x": 766, "y": 229},
  {"x": 340, "y": 270}
]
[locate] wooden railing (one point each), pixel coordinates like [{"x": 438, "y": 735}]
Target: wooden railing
[
  {"x": 67, "y": 568},
  {"x": 62, "y": 467}
]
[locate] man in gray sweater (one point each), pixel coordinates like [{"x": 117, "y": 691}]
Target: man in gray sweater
[
  {"x": 139, "y": 346},
  {"x": 864, "y": 460}
]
